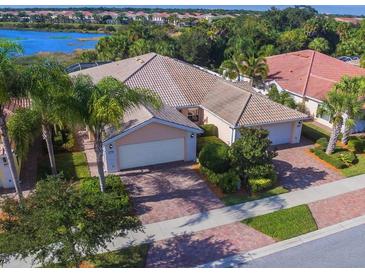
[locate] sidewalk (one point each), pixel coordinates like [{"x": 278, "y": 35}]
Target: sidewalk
[{"x": 231, "y": 214}]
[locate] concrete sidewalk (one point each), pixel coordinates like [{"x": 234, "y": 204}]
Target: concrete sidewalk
[{"x": 227, "y": 215}]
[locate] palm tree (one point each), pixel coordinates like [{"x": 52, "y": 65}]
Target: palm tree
[
  {"x": 254, "y": 66},
  {"x": 355, "y": 88},
  {"x": 9, "y": 88},
  {"x": 50, "y": 92},
  {"x": 334, "y": 106},
  {"x": 232, "y": 68},
  {"x": 105, "y": 104}
]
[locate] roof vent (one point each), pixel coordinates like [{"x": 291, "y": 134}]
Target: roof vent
[{"x": 140, "y": 60}]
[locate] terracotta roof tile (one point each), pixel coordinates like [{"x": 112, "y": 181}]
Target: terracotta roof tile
[{"x": 309, "y": 73}]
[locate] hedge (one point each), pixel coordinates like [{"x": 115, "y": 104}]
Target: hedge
[
  {"x": 322, "y": 143},
  {"x": 313, "y": 132},
  {"x": 215, "y": 157},
  {"x": 259, "y": 184},
  {"x": 202, "y": 141},
  {"x": 227, "y": 181},
  {"x": 329, "y": 158},
  {"x": 209, "y": 130}
]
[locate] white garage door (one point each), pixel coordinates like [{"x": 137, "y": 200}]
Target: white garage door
[
  {"x": 280, "y": 133},
  {"x": 151, "y": 153}
]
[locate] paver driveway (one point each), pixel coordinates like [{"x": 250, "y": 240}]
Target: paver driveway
[
  {"x": 299, "y": 169},
  {"x": 168, "y": 191}
]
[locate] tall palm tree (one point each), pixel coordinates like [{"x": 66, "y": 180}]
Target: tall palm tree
[
  {"x": 105, "y": 104},
  {"x": 233, "y": 68},
  {"x": 355, "y": 88},
  {"x": 50, "y": 90},
  {"x": 10, "y": 79},
  {"x": 254, "y": 66},
  {"x": 334, "y": 106}
]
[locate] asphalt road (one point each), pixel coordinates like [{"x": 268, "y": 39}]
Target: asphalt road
[{"x": 342, "y": 249}]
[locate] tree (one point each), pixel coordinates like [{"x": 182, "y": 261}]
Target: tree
[
  {"x": 139, "y": 47},
  {"x": 24, "y": 127},
  {"x": 50, "y": 91},
  {"x": 63, "y": 223},
  {"x": 362, "y": 61},
  {"x": 105, "y": 104},
  {"x": 250, "y": 155},
  {"x": 233, "y": 68},
  {"x": 334, "y": 106},
  {"x": 10, "y": 87},
  {"x": 354, "y": 88},
  {"x": 319, "y": 44},
  {"x": 254, "y": 66},
  {"x": 113, "y": 47},
  {"x": 292, "y": 40},
  {"x": 283, "y": 97}
]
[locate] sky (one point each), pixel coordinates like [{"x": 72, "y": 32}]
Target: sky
[{"x": 333, "y": 9}]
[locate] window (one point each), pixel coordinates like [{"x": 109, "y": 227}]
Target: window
[{"x": 193, "y": 114}]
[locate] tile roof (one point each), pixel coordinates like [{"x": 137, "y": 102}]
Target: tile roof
[
  {"x": 141, "y": 114},
  {"x": 180, "y": 85},
  {"x": 309, "y": 73}
]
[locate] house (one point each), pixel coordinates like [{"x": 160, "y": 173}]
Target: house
[
  {"x": 5, "y": 176},
  {"x": 308, "y": 76},
  {"x": 192, "y": 96}
]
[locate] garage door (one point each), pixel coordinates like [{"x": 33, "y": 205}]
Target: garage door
[
  {"x": 280, "y": 133},
  {"x": 151, "y": 153}
]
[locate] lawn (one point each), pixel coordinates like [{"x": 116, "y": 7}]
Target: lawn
[
  {"x": 238, "y": 198},
  {"x": 72, "y": 164},
  {"x": 356, "y": 169},
  {"x": 285, "y": 223}
]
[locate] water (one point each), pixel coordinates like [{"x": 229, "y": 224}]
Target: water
[{"x": 43, "y": 41}]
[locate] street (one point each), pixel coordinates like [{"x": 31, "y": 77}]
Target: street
[{"x": 342, "y": 249}]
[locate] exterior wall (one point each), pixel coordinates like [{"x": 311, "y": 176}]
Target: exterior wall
[
  {"x": 5, "y": 176},
  {"x": 149, "y": 133},
  {"x": 225, "y": 132},
  {"x": 294, "y": 130}
]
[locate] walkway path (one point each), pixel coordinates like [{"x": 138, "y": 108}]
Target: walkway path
[
  {"x": 228, "y": 215},
  {"x": 88, "y": 147}
]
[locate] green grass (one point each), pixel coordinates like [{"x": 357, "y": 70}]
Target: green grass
[
  {"x": 72, "y": 164},
  {"x": 238, "y": 198},
  {"x": 285, "y": 223},
  {"x": 356, "y": 169},
  {"x": 313, "y": 132},
  {"x": 134, "y": 256}
]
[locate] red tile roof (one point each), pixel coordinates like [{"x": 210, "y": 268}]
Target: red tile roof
[{"x": 309, "y": 73}]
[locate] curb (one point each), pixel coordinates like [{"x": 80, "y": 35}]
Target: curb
[{"x": 244, "y": 257}]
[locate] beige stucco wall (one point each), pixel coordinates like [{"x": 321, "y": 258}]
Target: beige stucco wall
[{"x": 224, "y": 130}]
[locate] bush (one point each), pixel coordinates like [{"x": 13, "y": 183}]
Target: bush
[
  {"x": 260, "y": 184},
  {"x": 113, "y": 184},
  {"x": 356, "y": 145},
  {"x": 313, "y": 132},
  {"x": 322, "y": 143},
  {"x": 209, "y": 130},
  {"x": 329, "y": 158},
  {"x": 227, "y": 181},
  {"x": 261, "y": 171},
  {"x": 203, "y": 141},
  {"x": 215, "y": 157},
  {"x": 347, "y": 157}
]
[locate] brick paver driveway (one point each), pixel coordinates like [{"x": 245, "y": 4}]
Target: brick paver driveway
[
  {"x": 168, "y": 192},
  {"x": 205, "y": 246},
  {"x": 299, "y": 169}
]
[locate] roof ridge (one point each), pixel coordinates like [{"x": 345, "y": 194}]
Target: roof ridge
[
  {"x": 309, "y": 73},
  {"x": 243, "y": 109},
  {"x": 144, "y": 64}
]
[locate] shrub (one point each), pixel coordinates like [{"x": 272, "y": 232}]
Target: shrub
[
  {"x": 261, "y": 171},
  {"x": 259, "y": 184},
  {"x": 113, "y": 184},
  {"x": 203, "y": 141},
  {"x": 227, "y": 181},
  {"x": 329, "y": 158},
  {"x": 347, "y": 157},
  {"x": 209, "y": 130},
  {"x": 356, "y": 145},
  {"x": 322, "y": 143},
  {"x": 215, "y": 157},
  {"x": 313, "y": 132}
]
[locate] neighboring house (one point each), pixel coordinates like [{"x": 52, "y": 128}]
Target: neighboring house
[
  {"x": 192, "y": 96},
  {"x": 5, "y": 177},
  {"x": 308, "y": 76}
]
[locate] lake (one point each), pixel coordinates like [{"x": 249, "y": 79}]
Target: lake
[{"x": 44, "y": 41}]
